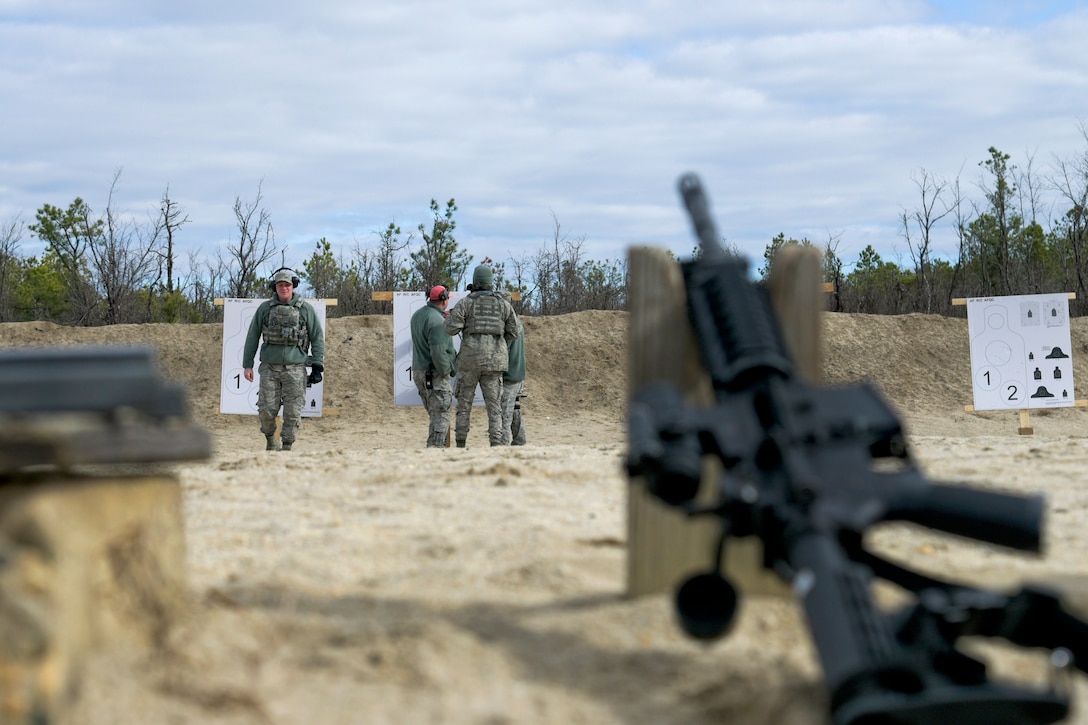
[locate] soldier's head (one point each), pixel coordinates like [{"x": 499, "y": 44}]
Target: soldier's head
[
  {"x": 482, "y": 277},
  {"x": 283, "y": 283},
  {"x": 440, "y": 296}
]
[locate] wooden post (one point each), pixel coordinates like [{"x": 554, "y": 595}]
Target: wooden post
[
  {"x": 87, "y": 562},
  {"x": 1025, "y": 428},
  {"x": 663, "y": 546},
  {"x": 796, "y": 290},
  {"x": 90, "y": 556}
]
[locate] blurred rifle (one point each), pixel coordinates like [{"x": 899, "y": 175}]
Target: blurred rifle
[
  {"x": 67, "y": 406},
  {"x": 807, "y": 470}
]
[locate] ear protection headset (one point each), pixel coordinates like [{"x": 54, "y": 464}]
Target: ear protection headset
[
  {"x": 443, "y": 294},
  {"x": 272, "y": 278}
]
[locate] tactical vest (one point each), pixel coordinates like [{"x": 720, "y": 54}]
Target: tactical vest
[
  {"x": 486, "y": 315},
  {"x": 286, "y": 326}
]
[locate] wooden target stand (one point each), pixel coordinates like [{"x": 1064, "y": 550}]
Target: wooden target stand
[
  {"x": 664, "y": 546},
  {"x": 1025, "y": 428},
  {"x": 387, "y": 296}
]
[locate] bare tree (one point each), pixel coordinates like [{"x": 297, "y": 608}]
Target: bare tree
[
  {"x": 832, "y": 270},
  {"x": 121, "y": 260},
  {"x": 917, "y": 230},
  {"x": 962, "y": 220},
  {"x": 1028, "y": 190},
  {"x": 519, "y": 280},
  {"x": 256, "y": 245},
  {"x": 375, "y": 270},
  {"x": 11, "y": 234},
  {"x": 205, "y": 283},
  {"x": 1070, "y": 180},
  {"x": 386, "y": 261},
  {"x": 354, "y": 290},
  {"x": 171, "y": 218},
  {"x": 556, "y": 283}
]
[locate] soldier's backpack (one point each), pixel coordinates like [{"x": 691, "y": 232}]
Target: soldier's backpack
[{"x": 487, "y": 316}]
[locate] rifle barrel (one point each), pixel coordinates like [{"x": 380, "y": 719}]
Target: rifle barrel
[{"x": 695, "y": 200}]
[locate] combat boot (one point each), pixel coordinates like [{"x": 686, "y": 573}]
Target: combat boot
[
  {"x": 270, "y": 443},
  {"x": 460, "y": 444},
  {"x": 286, "y": 446}
]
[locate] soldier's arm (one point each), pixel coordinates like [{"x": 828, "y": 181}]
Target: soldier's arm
[
  {"x": 253, "y": 338},
  {"x": 513, "y": 327},
  {"x": 438, "y": 341},
  {"x": 456, "y": 320},
  {"x": 317, "y": 336}
]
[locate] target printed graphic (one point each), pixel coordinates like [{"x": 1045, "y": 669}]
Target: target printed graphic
[{"x": 1020, "y": 352}]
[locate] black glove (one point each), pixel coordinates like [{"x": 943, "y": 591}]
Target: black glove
[{"x": 315, "y": 374}]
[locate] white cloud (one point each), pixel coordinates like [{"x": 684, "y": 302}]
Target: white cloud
[{"x": 806, "y": 118}]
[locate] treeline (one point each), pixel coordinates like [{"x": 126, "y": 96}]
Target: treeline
[
  {"x": 556, "y": 279},
  {"x": 102, "y": 269},
  {"x": 1027, "y": 234}
]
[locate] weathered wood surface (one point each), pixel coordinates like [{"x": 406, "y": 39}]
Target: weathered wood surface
[
  {"x": 795, "y": 285},
  {"x": 84, "y": 563},
  {"x": 664, "y": 547},
  {"x": 66, "y": 441}
]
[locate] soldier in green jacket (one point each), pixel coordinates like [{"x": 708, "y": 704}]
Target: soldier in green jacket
[
  {"x": 291, "y": 330},
  {"x": 433, "y": 364},
  {"x": 513, "y": 389}
]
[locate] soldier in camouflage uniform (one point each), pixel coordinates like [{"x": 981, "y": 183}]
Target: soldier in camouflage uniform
[
  {"x": 486, "y": 323},
  {"x": 433, "y": 364},
  {"x": 291, "y": 329}
]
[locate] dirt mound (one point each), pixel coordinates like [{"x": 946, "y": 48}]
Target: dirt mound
[{"x": 576, "y": 362}]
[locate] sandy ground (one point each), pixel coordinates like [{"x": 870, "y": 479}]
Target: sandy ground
[{"x": 364, "y": 579}]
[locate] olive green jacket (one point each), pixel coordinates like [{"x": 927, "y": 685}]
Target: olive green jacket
[{"x": 432, "y": 348}]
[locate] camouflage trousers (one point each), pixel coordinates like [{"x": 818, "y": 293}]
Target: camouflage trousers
[
  {"x": 490, "y": 383},
  {"x": 513, "y": 431},
  {"x": 438, "y": 401},
  {"x": 281, "y": 385}
]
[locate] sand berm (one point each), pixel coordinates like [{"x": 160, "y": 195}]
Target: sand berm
[{"x": 362, "y": 578}]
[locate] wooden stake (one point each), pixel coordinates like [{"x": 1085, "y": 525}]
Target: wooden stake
[
  {"x": 1025, "y": 424},
  {"x": 663, "y": 546}
]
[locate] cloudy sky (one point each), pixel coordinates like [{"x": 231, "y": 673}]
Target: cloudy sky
[{"x": 807, "y": 117}]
